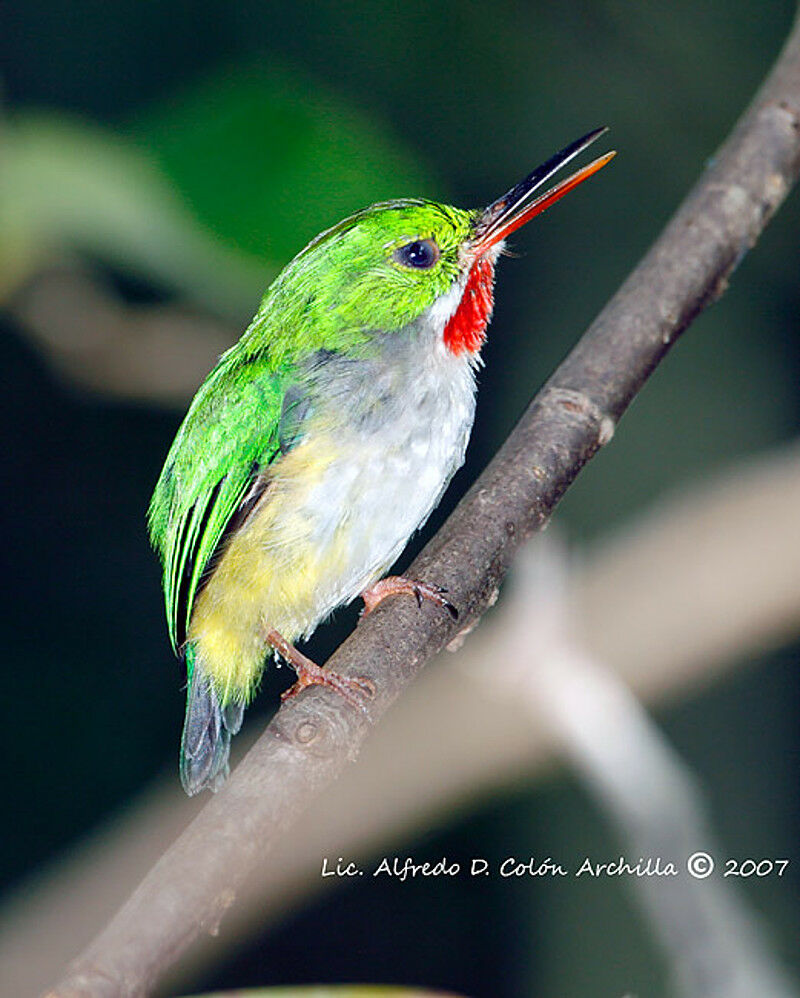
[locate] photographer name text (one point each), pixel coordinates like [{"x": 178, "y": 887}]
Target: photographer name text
[{"x": 699, "y": 866}]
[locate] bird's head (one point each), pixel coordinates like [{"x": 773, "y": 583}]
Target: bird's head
[{"x": 397, "y": 262}]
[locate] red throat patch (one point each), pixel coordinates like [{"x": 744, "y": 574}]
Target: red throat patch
[{"x": 466, "y": 328}]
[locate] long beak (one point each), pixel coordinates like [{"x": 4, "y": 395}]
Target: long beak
[{"x": 514, "y": 209}]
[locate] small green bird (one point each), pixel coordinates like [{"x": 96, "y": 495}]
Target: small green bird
[{"x": 322, "y": 440}]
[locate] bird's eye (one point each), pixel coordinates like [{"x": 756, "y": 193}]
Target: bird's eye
[{"x": 421, "y": 254}]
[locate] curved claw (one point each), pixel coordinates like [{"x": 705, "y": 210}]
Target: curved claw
[
  {"x": 356, "y": 690},
  {"x": 396, "y": 585}
]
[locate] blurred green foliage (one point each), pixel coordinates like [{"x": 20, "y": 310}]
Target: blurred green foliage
[
  {"x": 220, "y": 187},
  {"x": 67, "y": 185},
  {"x": 268, "y": 158}
]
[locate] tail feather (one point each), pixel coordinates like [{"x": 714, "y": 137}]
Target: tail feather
[
  {"x": 207, "y": 732},
  {"x": 232, "y": 716}
]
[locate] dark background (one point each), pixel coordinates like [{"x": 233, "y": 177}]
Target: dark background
[{"x": 268, "y": 122}]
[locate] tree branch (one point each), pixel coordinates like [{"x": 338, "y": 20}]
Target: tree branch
[
  {"x": 313, "y": 737},
  {"x": 706, "y": 930},
  {"x": 157, "y": 353}
]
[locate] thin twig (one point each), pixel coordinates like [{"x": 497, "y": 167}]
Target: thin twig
[{"x": 312, "y": 738}]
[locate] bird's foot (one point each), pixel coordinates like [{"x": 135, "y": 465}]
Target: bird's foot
[
  {"x": 356, "y": 690},
  {"x": 395, "y": 585}
]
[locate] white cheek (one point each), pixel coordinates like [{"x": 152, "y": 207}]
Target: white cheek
[{"x": 445, "y": 305}]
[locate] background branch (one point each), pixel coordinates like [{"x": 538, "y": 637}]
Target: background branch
[
  {"x": 712, "y": 942},
  {"x": 154, "y": 353},
  {"x": 311, "y": 739}
]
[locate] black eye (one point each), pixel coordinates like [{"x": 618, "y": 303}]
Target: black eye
[{"x": 422, "y": 254}]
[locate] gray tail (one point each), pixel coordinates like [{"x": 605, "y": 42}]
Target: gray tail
[{"x": 207, "y": 731}]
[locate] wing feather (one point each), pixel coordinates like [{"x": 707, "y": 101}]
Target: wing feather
[{"x": 230, "y": 434}]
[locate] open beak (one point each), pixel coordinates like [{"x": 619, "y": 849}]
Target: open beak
[{"x": 514, "y": 209}]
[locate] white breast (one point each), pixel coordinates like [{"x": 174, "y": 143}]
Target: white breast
[{"x": 398, "y": 429}]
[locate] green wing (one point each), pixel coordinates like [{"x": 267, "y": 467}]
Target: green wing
[{"x": 231, "y": 431}]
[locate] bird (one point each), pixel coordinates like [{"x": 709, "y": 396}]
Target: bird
[{"x": 321, "y": 441}]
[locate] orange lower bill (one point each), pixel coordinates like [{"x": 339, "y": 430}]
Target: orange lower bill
[{"x": 542, "y": 203}]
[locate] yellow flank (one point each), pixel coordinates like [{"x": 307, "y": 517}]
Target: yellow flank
[{"x": 272, "y": 574}]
